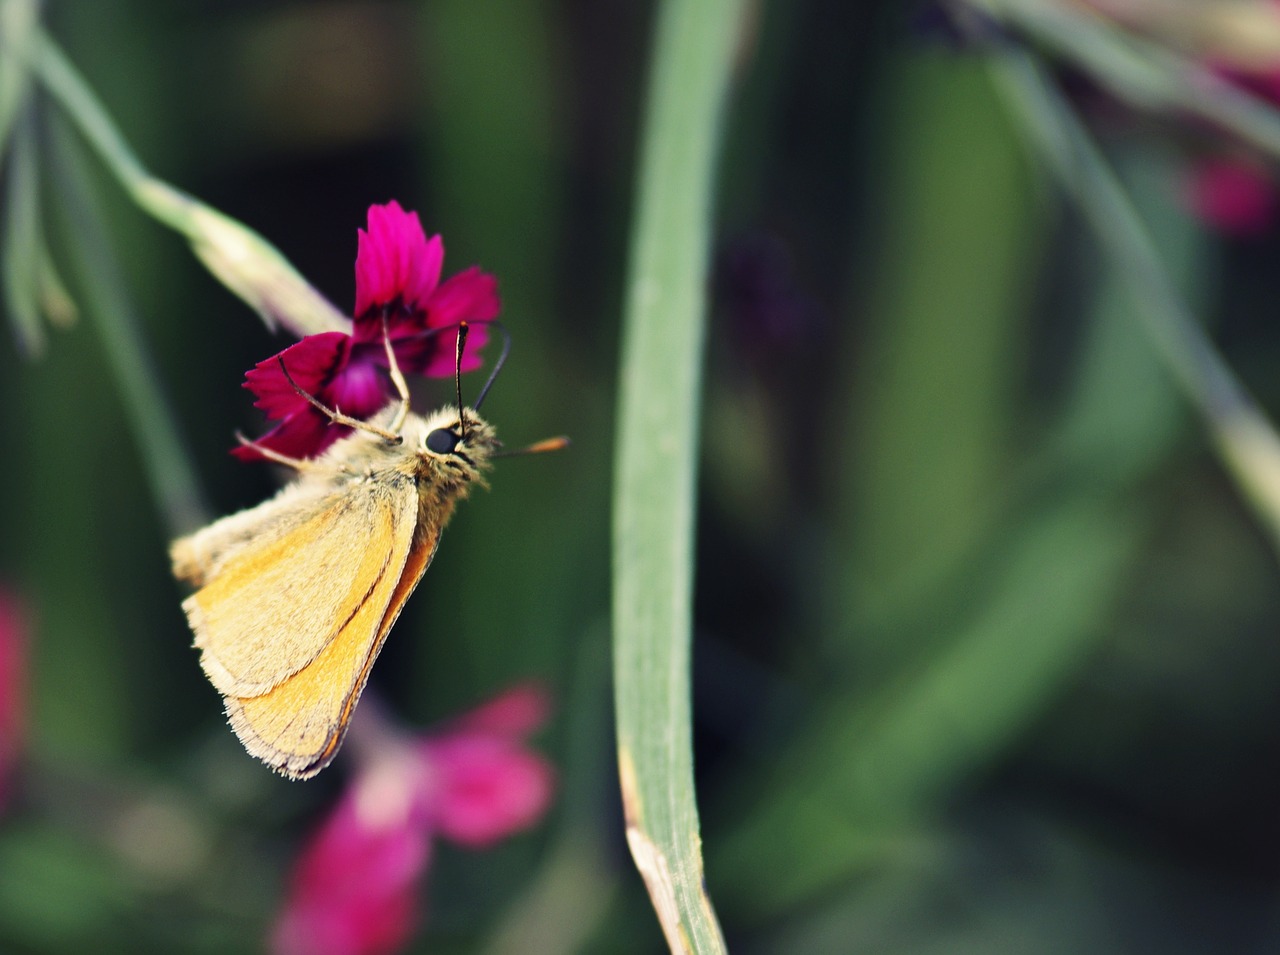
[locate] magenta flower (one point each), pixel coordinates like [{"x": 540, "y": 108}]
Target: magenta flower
[
  {"x": 487, "y": 784},
  {"x": 355, "y": 889},
  {"x": 13, "y": 676},
  {"x": 397, "y": 278},
  {"x": 1230, "y": 189},
  {"x": 1235, "y": 196}
]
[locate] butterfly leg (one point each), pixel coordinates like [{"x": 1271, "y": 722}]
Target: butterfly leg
[
  {"x": 337, "y": 417},
  {"x": 300, "y": 465},
  {"x": 397, "y": 378}
]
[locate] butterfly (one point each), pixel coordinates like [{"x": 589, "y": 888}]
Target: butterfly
[{"x": 297, "y": 595}]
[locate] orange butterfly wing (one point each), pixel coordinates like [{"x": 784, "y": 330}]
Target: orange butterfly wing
[
  {"x": 298, "y": 727},
  {"x": 276, "y": 603},
  {"x": 356, "y": 563}
]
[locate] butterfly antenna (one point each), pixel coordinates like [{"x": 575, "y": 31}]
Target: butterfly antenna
[
  {"x": 463, "y": 330},
  {"x": 538, "y": 447},
  {"x": 502, "y": 360}
]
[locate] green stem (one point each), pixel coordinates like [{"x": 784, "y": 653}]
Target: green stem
[
  {"x": 18, "y": 19},
  {"x": 656, "y": 460},
  {"x": 1139, "y": 71},
  {"x": 241, "y": 259},
  {"x": 1244, "y": 436},
  {"x": 22, "y": 246},
  {"x": 167, "y": 465}
]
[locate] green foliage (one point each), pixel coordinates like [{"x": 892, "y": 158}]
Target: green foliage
[{"x": 656, "y": 463}]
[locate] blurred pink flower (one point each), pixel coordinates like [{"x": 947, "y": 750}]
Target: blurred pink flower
[
  {"x": 13, "y": 675},
  {"x": 1227, "y": 186},
  {"x": 1235, "y": 196},
  {"x": 397, "y": 277},
  {"x": 1232, "y": 191},
  {"x": 355, "y": 888},
  {"x": 488, "y": 784}
]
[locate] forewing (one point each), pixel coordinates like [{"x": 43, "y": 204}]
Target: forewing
[
  {"x": 273, "y": 608},
  {"x": 298, "y": 726},
  {"x": 199, "y": 557}
]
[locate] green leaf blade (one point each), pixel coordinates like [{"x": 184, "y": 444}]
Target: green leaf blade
[{"x": 656, "y": 460}]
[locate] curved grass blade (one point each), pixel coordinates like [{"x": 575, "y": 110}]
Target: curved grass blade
[{"x": 656, "y": 460}]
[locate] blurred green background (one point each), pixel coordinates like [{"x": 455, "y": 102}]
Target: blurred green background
[{"x": 986, "y": 652}]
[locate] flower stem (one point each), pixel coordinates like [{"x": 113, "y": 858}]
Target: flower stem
[
  {"x": 1245, "y": 438},
  {"x": 241, "y": 259},
  {"x": 1139, "y": 71},
  {"x": 22, "y": 246},
  {"x": 17, "y": 25},
  {"x": 167, "y": 465}
]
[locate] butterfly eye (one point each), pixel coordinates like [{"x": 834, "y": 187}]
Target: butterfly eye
[{"x": 442, "y": 441}]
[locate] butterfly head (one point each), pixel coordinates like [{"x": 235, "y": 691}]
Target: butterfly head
[{"x": 453, "y": 446}]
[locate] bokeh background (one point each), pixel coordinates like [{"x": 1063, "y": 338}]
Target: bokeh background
[{"x": 987, "y": 641}]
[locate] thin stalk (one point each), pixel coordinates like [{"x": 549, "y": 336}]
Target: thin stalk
[
  {"x": 1245, "y": 438},
  {"x": 1140, "y": 71},
  {"x": 22, "y": 245},
  {"x": 18, "y": 20},
  {"x": 238, "y": 257},
  {"x": 173, "y": 481}
]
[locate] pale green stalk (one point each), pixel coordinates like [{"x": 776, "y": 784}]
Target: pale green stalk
[
  {"x": 17, "y": 26},
  {"x": 21, "y": 241},
  {"x": 656, "y": 461},
  {"x": 174, "y": 485},
  {"x": 241, "y": 259},
  {"x": 1138, "y": 70},
  {"x": 1245, "y": 438},
  {"x": 32, "y": 287},
  {"x": 31, "y": 284}
]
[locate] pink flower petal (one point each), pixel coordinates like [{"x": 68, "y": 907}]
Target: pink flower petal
[
  {"x": 379, "y": 927},
  {"x": 489, "y": 784},
  {"x": 435, "y": 355},
  {"x": 301, "y": 435},
  {"x": 312, "y": 363},
  {"x": 354, "y": 889},
  {"x": 489, "y": 787},
  {"x": 364, "y": 387},
  {"x": 13, "y": 679},
  {"x": 471, "y": 295},
  {"x": 1233, "y": 196},
  {"x": 395, "y": 260},
  {"x": 519, "y": 712}
]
